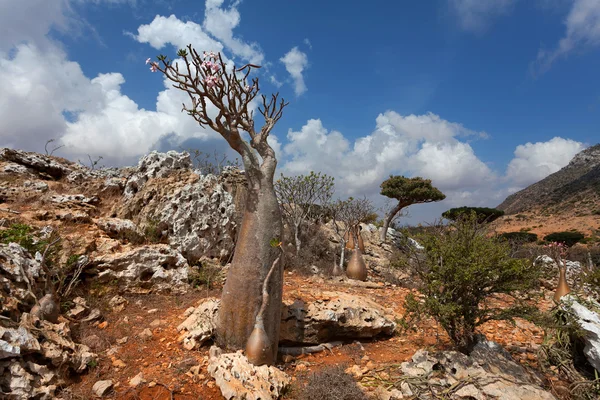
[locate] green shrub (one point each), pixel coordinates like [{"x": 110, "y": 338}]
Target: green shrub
[
  {"x": 331, "y": 383},
  {"x": 21, "y": 235},
  {"x": 459, "y": 271},
  {"x": 568, "y": 238},
  {"x": 522, "y": 237},
  {"x": 484, "y": 214}
]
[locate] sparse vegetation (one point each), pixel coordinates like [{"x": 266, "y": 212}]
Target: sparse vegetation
[
  {"x": 459, "y": 271},
  {"x": 331, "y": 383},
  {"x": 212, "y": 163},
  {"x": 568, "y": 238}
]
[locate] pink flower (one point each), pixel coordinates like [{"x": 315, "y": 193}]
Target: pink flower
[
  {"x": 215, "y": 67},
  {"x": 247, "y": 88},
  {"x": 148, "y": 61},
  {"x": 211, "y": 81},
  {"x": 154, "y": 67},
  {"x": 207, "y": 64}
]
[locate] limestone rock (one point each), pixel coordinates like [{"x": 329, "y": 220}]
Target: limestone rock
[
  {"x": 589, "y": 322},
  {"x": 200, "y": 325},
  {"x": 74, "y": 198},
  {"x": 17, "y": 267},
  {"x": 102, "y": 388},
  {"x": 36, "y": 162},
  {"x": 194, "y": 213},
  {"x": 238, "y": 379},
  {"x": 337, "y": 315},
  {"x": 489, "y": 373},
  {"x": 151, "y": 267},
  {"x": 119, "y": 228}
]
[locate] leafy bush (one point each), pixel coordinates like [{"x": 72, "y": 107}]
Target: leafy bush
[
  {"x": 568, "y": 238},
  {"x": 484, "y": 214},
  {"x": 459, "y": 271},
  {"x": 20, "y": 234},
  {"x": 331, "y": 383},
  {"x": 522, "y": 237}
]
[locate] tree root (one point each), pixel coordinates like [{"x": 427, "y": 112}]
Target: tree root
[{"x": 298, "y": 351}]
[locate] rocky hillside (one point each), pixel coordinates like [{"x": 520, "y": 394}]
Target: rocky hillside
[
  {"x": 566, "y": 200},
  {"x": 575, "y": 187}
]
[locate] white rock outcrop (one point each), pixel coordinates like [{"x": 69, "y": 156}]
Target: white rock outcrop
[
  {"x": 195, "y": 213},
  {"x": 240, "y": 380},
  {"x": 155, "y": 267}
]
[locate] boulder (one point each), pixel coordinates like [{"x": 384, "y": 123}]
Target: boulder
[
  {"x": 151, "y": 267},
  {"x": 19, "y": 271},
  {"x": 489, "y": 373},
  {"x": 40, "y": 353},
  {"x": 200, "y": 325},
  {"x": 240, "y": 380},
  {"x": 194, "y": 213},
  {"x": 39, "y": 163},
  {"x": 336, "y": 315},
  {"x": 119, "y": 228},
  {"x": 589, "y": 323}
]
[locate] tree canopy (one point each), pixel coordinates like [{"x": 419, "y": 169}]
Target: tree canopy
[{"x": 484, "y": 214}]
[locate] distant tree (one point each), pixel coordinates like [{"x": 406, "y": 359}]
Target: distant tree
[
  {"x": 407, "y": 191},
  {"x": 484, "y": 214},
  {"x": 298, "y": 196},
  {"x": 567, "y": 238},
  {"x": 347, "y": 215}
]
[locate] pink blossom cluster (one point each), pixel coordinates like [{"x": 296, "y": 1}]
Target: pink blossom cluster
[
  {"x": 558, "y": 251},
  {"x": 210, "y": 66},
  {"x": 153, "y": 65},
  {"x": 210, "y": 54},
  {"x": 212, "y": 80}
]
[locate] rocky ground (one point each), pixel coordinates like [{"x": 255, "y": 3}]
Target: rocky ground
[{"x": 141, "y": 257}]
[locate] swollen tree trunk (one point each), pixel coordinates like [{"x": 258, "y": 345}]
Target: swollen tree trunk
[
  {"x": 254, "y": 255},
  {"x": 388, "y": 220}
]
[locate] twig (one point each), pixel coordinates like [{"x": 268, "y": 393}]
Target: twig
[
  {"x": 166, "y": 387},
  {"x": 8, "y": 210}
]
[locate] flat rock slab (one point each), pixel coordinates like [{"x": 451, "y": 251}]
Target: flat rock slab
[
  {"x": 238, "y": 379},
  {"x": 334, "y": 316}
]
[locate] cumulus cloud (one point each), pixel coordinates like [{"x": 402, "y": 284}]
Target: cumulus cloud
[
  {"x": 295, "y": 63},
  {"x": 476, "y": 15},
  {"x": 46, "y": 96},
  {"x": 583, "y": 31},
  {"x": 412, "y": 145},
  {"x": 535, "y": 161}
]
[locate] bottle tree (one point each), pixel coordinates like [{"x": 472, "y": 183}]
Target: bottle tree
[
  {"x": 207, "y": 80},
  {"x": 407, "y": 191}
]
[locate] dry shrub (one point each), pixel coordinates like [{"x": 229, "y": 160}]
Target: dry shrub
[{"x": 331, "y": 383}]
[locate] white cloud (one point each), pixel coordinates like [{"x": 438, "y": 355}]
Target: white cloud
[
  {"x": 308, "y": 43},
  {"x": 412, "y": 145},
  {"x": 475, "y": 15},
  {"x": 221, "y": 22},
  {"x": 535, "y": 161},
  {"x": 295, "y": 62},
  {"x": 583, "y": 31}
]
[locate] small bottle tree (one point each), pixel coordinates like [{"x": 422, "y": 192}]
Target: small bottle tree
[
  {"x": 347, "y": 215},
  {"x": 298, "y": 196},
  {"x": 407, "y": 191},
  {"x": 207, "y": 80}
]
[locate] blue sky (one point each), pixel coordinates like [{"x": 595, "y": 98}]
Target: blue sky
[{"x": 482, "y": 96}]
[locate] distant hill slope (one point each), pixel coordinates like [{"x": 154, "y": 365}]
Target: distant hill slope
[{"x": 575, "y": 189}]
